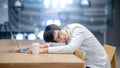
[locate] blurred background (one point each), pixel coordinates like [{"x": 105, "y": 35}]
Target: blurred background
[{"x": 26, "y": 19}]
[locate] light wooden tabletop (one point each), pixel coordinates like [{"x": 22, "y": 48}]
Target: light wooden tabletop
[{"x": 9, "y": 56}]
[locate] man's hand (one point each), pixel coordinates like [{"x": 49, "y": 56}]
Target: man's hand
[{"x": 29, "y": 51}]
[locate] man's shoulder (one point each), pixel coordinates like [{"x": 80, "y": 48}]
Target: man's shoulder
[{"x": 75, "y": 25}]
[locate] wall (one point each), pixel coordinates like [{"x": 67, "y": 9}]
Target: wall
[{"x": 113, "y": 34}]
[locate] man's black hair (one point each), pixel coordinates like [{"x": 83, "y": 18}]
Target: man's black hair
[
  {"x": 52, "y": 27},
  {"x": 49, "y": 31}
]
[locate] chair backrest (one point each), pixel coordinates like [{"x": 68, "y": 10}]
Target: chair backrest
[
  {"x": 111, "y": 52},
  {"x": 80, "y": 54}
]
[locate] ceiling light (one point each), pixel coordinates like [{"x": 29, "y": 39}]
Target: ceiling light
[
  {"x": 85, "y": 3},
  {"x": 18, "y": 3}
]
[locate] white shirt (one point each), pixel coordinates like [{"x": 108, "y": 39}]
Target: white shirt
[{"x": 80, "y": 37}]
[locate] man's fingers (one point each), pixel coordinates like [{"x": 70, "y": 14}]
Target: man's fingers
[{"x": 29, "y": 51}]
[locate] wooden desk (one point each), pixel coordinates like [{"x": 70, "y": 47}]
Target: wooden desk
[{"x": 9, "y": 58}]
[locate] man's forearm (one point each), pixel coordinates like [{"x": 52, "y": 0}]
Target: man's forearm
[{"x": 43, "y": 50}]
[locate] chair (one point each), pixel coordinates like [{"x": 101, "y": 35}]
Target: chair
[
  {"x": 111, "y": 52},
  {"x": 80, "y": 54}
]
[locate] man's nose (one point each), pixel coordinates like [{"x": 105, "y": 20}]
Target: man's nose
[{"x": 61, "y": 36}]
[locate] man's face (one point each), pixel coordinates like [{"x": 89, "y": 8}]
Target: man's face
[{"x": 60, "y": 35}]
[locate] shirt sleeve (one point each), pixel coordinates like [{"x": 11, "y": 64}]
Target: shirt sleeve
[
  {"x": 54, "y": 44},
  {"x": 75, "y": 42}
]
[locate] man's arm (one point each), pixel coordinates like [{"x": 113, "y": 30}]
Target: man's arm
[{"x": 43, "y": 50}]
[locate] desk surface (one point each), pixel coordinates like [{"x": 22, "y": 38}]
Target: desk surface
[{"x": 9, "y": 58}]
